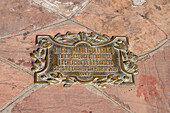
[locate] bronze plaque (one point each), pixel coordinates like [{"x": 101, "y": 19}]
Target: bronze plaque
[{"x": 85, "y": 58}]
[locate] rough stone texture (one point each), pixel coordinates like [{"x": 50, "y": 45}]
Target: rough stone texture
[
  {"x": 18, "y": 50},
  {"x": 23, "y": 15},
  {"x": 12, "y": 82},
  {"x": 151, "y": 93},
  {"x": 145, "y": 23},
  {"x": 146, "y": 27},
  {"x": 64, "y": 7},
  {"x": 76, "y": 99},
  {"x": 156, "y": 11}
]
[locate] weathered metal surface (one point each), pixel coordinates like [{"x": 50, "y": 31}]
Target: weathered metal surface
[{"x": 85, "y": 58}]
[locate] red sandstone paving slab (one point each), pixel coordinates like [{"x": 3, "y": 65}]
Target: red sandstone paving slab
[
  {"x": 18, "y": 50},
  {"x": 156, "y": 11},
  {"x": 119, "y": 18},
  {"x": 19, "y": 15},
  {"x": 56, "y": 99},
  {"x": 78, "y": 98},
  {"x": 65, "y": 7},
  {"x": 151, "y": 93},
  {"x": 12, "y": 82}
]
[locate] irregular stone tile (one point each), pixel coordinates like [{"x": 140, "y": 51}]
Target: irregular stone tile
[
  {"x": 157, "y": 12},
  {"x": 65, "y": 7},
  {"x": 12, "y": 82},
  {"x": 17, "y": 50},
  {"x": 119, "y": 18},
  {"x": 23, "y": 15},
  {"x": 151, "y": 93},
  {"x": 76, "y": 99}
]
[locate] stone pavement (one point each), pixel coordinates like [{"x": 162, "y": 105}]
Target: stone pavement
[{"x": 146, "y": 24}]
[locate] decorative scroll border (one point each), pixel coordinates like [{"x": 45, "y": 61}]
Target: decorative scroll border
[{"x": 40, "y": 64}]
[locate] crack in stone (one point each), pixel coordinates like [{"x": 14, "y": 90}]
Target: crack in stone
[
  {"x": 10, "y": 84},
  {"x": 100, "y": 92},
  {"x": 25, "y": 92},
  {"x": 32, "y": 31},
  {"x": 150, "y": 21},
  {"x": 156, "y": 48},
  {"x": 72, "y": 20},
  {"x": 158, "y": 75},
  {"x": 15, "y": 66},
  {"x": 81, "y": 8},
  {"x": 54, "y": 24}
]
